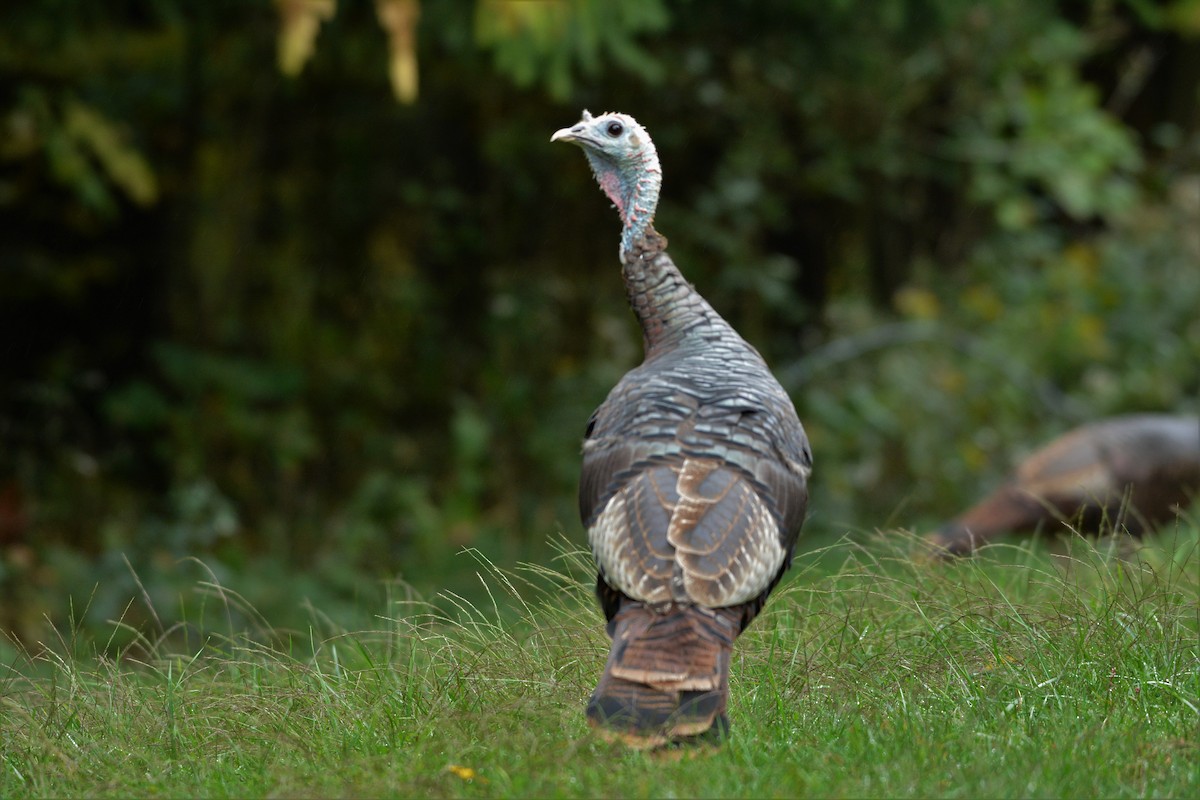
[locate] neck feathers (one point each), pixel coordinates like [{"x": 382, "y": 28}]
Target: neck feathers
[
  {"x": 669, "y": 308},
  {"x": 642, "y": 193}
]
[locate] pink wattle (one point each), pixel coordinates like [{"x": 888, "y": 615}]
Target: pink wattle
[{"x": 612, "y": 187}]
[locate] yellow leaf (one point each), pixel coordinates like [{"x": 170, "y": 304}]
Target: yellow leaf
[
  {"x": 124, "y": 165},
  {"x": 917, "y": 303},
  {"x": 399, "y": 19},
  {"x": 299, "y": 22}
]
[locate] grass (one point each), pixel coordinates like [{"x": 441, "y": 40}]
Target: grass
[{"x": 1016, "y": 674}]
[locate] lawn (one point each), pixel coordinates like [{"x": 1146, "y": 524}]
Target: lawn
[{"x": 873, "y": 672}]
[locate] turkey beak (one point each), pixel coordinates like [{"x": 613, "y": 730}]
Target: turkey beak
[{"x": 568, "y": 134}]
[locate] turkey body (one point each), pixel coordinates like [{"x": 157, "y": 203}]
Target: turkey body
[
  {"x": 1125, "y": 473},
  {"x": 693, "y": 491}
]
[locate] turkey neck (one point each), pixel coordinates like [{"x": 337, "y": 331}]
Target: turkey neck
[
  {"x": 666, "y": 305},
  {"x": 669, "y": 309}
]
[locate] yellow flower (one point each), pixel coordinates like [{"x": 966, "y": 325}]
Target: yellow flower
[{"x": 466, "y": 773}]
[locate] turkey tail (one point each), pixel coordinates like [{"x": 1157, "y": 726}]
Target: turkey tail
[{"x": 667, "y": 676}]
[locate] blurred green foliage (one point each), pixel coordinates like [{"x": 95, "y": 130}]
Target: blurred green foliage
[{"x": 318, "y": 339}]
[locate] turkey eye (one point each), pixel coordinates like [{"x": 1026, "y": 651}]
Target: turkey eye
[{"x": 615, "y": 129}]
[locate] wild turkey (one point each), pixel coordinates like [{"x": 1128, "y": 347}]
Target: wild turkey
[
  {"x": 1128, "y": 472},
  {"x": 694, "y": 482}
]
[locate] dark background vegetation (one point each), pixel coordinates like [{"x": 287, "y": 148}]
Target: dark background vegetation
[{"x": 322, "y": 340}]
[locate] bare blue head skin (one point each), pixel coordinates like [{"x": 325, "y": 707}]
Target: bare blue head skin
[{"x": 626, "y": 166}]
